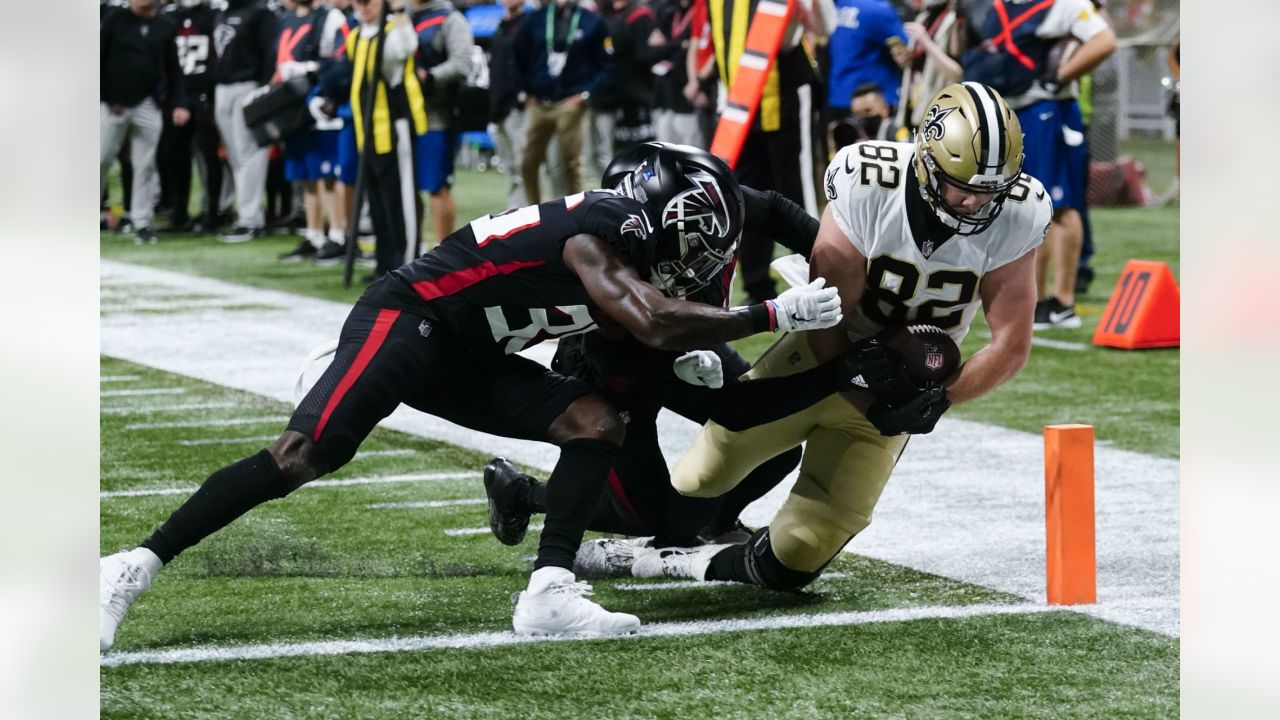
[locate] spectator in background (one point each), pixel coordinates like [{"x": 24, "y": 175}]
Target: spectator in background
[
  {"x": 871, "y": 118},
  {"x": 137, "y": 59},
  {"x": 243, "y": 40},
  {"x": 310, "y": 40},
  {"x": 398, "y": 114},
  {"x": 675, "y": 118},
  {"x": 622, "y": 110},
  {"x": 191, "y": 22},
  {"x": 1032, "y": 54},
  {"x": 560, "y": 51},
  {"x": 506, "y": 112},
  {"x": 443, "y": 63},
  {"x": 868, "y": 45},
  {"x": 779, "y": 150},
  {"x": 936, "y": 43}
]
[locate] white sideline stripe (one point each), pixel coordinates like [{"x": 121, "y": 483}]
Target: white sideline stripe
[
  {"x": 464, "y": 532},
  {"x": 142, "y": 391},
  {"x": 208, "y": 423},
  {"x": 228, "y": 441},
  {"x": 216, "y": 653},
  {"x": 398, "y": 452},
  {"x": 119, "y": 378},
  {"x": 1046, "y": 342},
  {"x": 681, "y": 584},
  {"x": 142, "y": 409},
  {"x": 374, "y": 480},
  {"x": 427, "y": 504},
  {"x": 179, "y": 306}
]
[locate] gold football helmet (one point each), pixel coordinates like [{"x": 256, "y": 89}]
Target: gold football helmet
[{"x": 971, "y": 140}]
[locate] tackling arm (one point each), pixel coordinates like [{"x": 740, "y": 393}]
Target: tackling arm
[
  {"x": 651, "y": 317},
  {"x": 1009, "y": 300},
  {"x": 661, "y": 322}
]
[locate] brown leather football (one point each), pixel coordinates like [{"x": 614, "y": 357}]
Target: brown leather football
[{"x": 929, "y": 353}]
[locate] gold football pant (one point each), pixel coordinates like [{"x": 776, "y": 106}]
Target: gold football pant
[{"x": 845, "y": 467}]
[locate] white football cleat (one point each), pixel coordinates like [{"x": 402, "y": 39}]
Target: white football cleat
[
  {"x": 122, "y": 577},
  {"x": 690, "y": 563},
  {"x": 608, "y": 557},
  {"x": 555, "y": 604}
]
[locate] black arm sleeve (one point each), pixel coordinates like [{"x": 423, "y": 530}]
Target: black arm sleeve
[
  {"x": 781, "y": 220},
  {"x": 741, "y": 405}
]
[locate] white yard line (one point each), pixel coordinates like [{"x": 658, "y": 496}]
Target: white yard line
[
  {"x": 209, "y": 422},
  {"x": 347, "y": 482},
  {"x": 468, "y": 532},
  {"x": 428, "y": 504},
  {"x": 398, "y": 452},
  {"x": 132, "y": 392},
  {"x": 1046, "y": 342},
  {"x": 966, "y": 502},
  {"x": 119, "y": 378},
  {"x": 216, "y": 653},
  {"x": 228, "y": 441},
  {"x": 143, "y": 409}
]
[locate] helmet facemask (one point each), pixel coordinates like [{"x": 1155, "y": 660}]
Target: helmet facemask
[{"x": 931, "y": 190}]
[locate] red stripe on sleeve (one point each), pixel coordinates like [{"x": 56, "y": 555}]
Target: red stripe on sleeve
[
  {"x": 462, "y": 279},
  {"x": 381, "y": 327}
]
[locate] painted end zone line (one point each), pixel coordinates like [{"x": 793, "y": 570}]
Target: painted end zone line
[
  {"x": 683, "y": 584},
  {"x": 498, "y": 639},
  {"x": 375, "y": 480},
  {"x": 466, "y": 532}
]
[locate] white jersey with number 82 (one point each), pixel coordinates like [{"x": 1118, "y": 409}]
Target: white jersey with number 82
[{"x": 866, "y": 187}]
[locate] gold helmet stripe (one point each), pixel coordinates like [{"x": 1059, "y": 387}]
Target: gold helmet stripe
[{"x": 988, "y": 119}]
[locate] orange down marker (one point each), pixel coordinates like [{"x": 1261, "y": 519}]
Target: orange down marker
[{"x": 1070, "y": 553}]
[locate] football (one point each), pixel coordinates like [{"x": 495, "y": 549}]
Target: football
[{"x": 928, "y": 352}]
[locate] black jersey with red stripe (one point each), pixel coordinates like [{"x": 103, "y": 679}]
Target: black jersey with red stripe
[{"x": 500, "y": 281}]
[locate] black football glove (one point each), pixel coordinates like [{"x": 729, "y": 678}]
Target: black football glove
[
  {"x": 873, "y": 366},
  {"x": 915, "y": 416}
]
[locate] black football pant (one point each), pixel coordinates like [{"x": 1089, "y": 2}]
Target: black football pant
[
  {"x": 386, "y": 357},
  {"x": 392, "y": 197},
  {"x": 176, "y": 145}
]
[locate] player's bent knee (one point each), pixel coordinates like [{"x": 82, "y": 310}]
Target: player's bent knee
[
  {"x": 590, "y": 417},
  {"x": 768, "y": 570},
  {"x": 298, "y": 459}
]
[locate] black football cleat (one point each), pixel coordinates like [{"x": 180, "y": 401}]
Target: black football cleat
[{"x": 508, "y": 490}]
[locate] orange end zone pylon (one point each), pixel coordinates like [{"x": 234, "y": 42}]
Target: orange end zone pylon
[
  {"x": 1143, "y": 310},
  {"x": 764, "y": 37},
  {"x": 1070, "y": 554}
]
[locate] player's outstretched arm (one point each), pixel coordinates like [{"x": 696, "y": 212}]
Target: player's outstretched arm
[
  {"x": 1009, "y": 301},
  {"x": 668, "y": 324}
]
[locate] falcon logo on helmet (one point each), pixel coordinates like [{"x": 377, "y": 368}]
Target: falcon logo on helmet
[{"x": 700, "y": 208}]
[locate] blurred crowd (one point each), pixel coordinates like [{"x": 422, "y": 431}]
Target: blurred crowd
[{"x": 264, "y": 101}]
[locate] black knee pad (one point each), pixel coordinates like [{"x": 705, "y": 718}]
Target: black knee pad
[{"x": 765, "y": 569}]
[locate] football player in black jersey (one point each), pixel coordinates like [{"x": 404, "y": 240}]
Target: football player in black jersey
[
  {"x": 640, "y": 381},
  {"x": 440, "y": 335}
]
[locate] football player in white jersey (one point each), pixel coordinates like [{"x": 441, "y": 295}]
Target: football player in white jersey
[{"x": 922, "y": 232}]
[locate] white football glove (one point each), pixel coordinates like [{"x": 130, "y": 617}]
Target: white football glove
[
  {"x": 700, "y": 367},
  {"x": 808, "y": 307}
]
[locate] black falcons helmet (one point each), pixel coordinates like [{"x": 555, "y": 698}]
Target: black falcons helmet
[{"x": 695, "y": 200}]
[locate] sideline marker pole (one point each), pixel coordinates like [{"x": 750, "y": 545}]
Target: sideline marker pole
[{"x": 1070, "y": 549}]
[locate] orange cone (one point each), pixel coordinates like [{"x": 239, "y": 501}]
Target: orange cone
[
  {"x": 1071, "y": 568},
  {"x": 1143, "y": 310}
]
